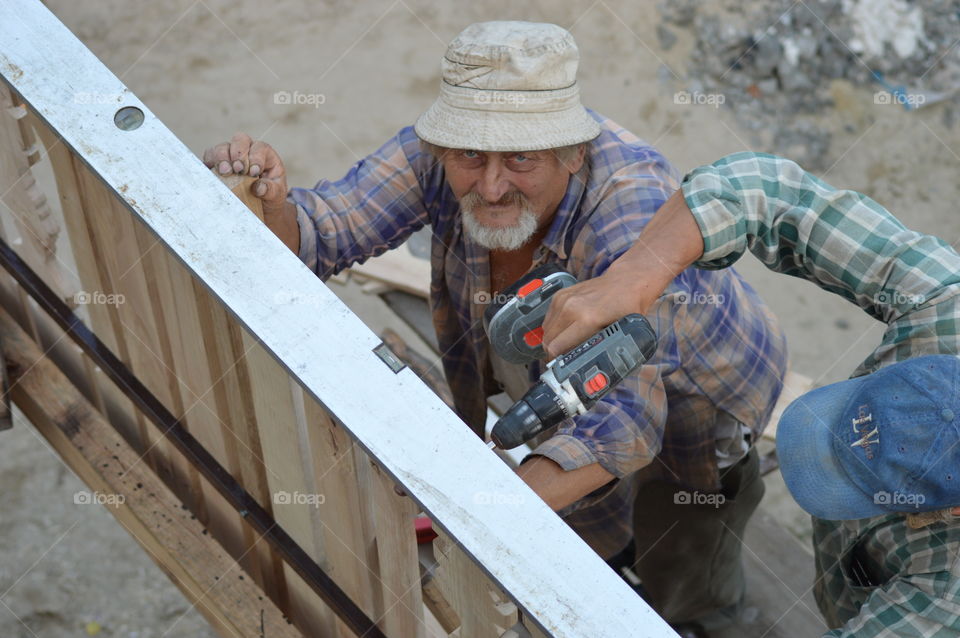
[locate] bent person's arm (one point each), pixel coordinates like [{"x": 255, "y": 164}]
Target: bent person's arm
[{"x": 794, "y": 222}]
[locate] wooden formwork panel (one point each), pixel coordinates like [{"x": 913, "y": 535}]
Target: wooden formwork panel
[{"x": 278, "y": 381}]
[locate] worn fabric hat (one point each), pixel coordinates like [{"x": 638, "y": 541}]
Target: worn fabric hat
[
  {"x": 885, "y": 442},
  {"x": 508, "y": 86}
]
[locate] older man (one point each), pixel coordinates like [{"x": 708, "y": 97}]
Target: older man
[
  {"x": 510, "y": 171},
  {"x": 875, "y": 459}
]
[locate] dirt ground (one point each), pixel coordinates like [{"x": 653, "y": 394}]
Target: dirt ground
[{"x": 208, "y": 68}]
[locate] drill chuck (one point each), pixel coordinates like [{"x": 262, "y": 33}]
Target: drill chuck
[{"x": 540, "y": 408}]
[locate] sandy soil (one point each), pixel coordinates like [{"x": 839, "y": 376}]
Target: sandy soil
[{"x": 210, "y": 67}]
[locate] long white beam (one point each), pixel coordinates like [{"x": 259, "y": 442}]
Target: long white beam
[{"x": 543, "y": 565}]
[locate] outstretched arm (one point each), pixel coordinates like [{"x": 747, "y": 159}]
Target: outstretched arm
[{"x": 794, "y": 222}]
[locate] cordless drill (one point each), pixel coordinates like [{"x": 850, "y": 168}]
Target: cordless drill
[{"x": 573, "y": 382}]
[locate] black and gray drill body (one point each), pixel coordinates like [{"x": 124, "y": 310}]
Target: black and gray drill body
[{"x": 573, "y": 382}]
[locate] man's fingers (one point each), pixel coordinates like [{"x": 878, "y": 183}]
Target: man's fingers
[
  {"x": 244, "y": 156},
  {"x": 218, "y": 157},
  {"x": 239, "y": 149},
  {"x": 563, "y": 342},
  {"x": 265, "y": 161},
  {"x": 556, "y": 318},
  {"x": 269, "y": 190}
]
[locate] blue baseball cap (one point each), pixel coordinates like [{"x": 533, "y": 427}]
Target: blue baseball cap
[{"x": 881, "y": 443}]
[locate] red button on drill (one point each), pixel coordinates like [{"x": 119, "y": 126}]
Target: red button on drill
[
  {"x": 529, "y": 287},
  {"x": 534, "y": 338},
  {"x": 596, "y": 383}
]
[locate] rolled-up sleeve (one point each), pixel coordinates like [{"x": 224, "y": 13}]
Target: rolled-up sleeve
[
  {"x": 373, "y": 208},
  {"x": 797, "y": 224},
  {"x": 622, "y": 433}
]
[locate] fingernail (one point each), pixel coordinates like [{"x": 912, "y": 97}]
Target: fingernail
[
  {"x": 254, "y": 170},
  {"x": 238, "y": 166},
  {"x": 261, "y": 190},
  {"x": 223, "y": 167}
]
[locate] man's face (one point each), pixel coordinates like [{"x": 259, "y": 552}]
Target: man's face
[{"x": 506, "y": 198}]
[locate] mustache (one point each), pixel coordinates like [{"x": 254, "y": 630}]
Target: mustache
[{"x": 473, "y": 199}]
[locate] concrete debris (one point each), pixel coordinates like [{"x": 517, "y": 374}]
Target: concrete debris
[
  {"x": 666, "y": 37},
  {"x": 774, "y": 62},
  {"x": 877, "y": 23}
]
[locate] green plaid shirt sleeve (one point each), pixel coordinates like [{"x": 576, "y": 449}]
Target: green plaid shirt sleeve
[
  {"x": 841, "y": 240},
  {"x": 875, "y": 577}
]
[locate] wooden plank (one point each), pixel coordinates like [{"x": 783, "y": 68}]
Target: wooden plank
[
  {"x": 416, "y": 313},
  {"x": 113, "y": 404},
  {"x": 136, "y": 320},
  {"x": 239, "y": 185},
  {"x": 342, "y": 515},
  {"x": 399, "y": 269},
  {"x": 484, "y": 610},
  {"x": 438, "y": 605},
  {"x": 178, "y": 322},
  {"x": 291, "y": 484},
  {"x": 196, "y": 564},
  {"x": 398, "y": 562},
  {"x": 390, "y": 551},
  {"x": 233, "y": 398}
]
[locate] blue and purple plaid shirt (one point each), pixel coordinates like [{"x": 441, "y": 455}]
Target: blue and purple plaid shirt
[{"x": 720, "y": 347}]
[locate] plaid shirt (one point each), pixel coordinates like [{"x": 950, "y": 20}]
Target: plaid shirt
[
  {"x": 876, "y": 576},
  {"x": 717, "y": 339}
]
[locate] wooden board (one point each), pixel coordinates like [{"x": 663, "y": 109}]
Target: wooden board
[
  {"x": 147, "y": 509},
  {"x": 398, "y": 269}
]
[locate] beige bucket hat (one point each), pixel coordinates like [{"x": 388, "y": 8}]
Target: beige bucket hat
[{"x": 508, "y": 86}]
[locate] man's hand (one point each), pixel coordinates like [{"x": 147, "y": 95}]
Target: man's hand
[
  {"x": 669, "y": 244},
  {"x": 579, "y": 311},
  {"x": 243, "y": 156}
]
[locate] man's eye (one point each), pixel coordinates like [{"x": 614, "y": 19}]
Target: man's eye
[
  {"x": 471, "y": 154},
  {"x": 520, "y": 157}
]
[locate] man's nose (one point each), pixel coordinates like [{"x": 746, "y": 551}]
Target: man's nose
[{"x": 493, "y": 183}]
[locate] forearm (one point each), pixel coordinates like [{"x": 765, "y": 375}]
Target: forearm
[
  {"x": 558, "y": 487},
  {"x": 669, "y": 244},
  {"x": 283, "y": 224},
  {"x": 665, "y": 247}
]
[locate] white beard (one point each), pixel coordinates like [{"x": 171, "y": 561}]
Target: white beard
[{"x": 502, "y": 237}]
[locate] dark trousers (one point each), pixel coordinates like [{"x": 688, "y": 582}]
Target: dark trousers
[{"x": 688, "y": 544}]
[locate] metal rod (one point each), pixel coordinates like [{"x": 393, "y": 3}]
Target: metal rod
[{"x": 199, "y": 457}]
